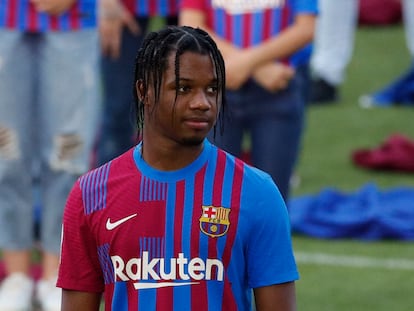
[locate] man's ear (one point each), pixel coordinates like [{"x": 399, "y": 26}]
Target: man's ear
[{"x": 140, "y": 89}]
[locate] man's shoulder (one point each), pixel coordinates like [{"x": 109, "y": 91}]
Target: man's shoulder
[
  {"x": 250, "y": 173},
  {"x": 115, "y": 167}
]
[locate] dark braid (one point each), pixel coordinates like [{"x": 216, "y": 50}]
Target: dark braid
[{"x": 152, "y": 60}]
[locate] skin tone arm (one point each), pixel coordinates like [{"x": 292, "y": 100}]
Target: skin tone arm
[
  {"x": 53, "y": 7},
  {"x": 113, "y": 17},
  {"x": 80, "y": 301},
  {"x": 280, "y": 297},
  {"x": 257, "y": 61}
]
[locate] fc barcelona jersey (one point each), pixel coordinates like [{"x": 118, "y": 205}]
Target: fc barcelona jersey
[
  {"x": 249, "y": 23},
  {"x": 21, "y": 15},
  {"x": 152, "y": 7},
  {"x": 199, "y": 238}
]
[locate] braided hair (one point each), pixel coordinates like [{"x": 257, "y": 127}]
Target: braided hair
[{"x": 152, "y": 61}]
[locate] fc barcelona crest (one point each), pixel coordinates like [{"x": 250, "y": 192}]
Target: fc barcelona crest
[{"x": 214, "y": 221}]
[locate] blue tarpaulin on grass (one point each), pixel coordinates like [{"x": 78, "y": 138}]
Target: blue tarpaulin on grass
[{"x": 368, "y": 213}]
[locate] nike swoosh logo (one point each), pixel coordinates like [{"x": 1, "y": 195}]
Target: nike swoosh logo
[{"x": 112, "y": 225}]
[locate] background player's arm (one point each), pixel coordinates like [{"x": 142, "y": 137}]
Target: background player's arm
[
  {"x": 279, "y": 297},
  {"x": 80, "y": 301}
]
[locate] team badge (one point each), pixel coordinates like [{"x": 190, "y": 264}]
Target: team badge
[{"x": 214, "y": 221}]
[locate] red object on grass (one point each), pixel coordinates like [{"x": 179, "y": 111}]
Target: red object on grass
[
  {"x": 396, "y": 153},
  {"x": 380, "y": 12}
]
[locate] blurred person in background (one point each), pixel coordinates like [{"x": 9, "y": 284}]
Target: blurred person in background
[
  {"x": 49, "y": 53},
  {"x": 401, "y": 89},
  {"x": 122, "y": 26},
  {"x": 264, "y": 47},
  {"x": 333, "y": 47},
  {"x": 334, "y": 44}
]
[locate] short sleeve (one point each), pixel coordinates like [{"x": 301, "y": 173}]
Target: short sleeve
[
  {"x": 79, "y": 264},
  {"x": 270, "y": 254}
]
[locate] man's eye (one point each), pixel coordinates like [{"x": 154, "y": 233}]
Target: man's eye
[
  {"x": 183, "y": 89},
  {"x": 212, "y": 89}
]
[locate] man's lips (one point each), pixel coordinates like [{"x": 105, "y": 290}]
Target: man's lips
[{"x": 197, "y": 123}]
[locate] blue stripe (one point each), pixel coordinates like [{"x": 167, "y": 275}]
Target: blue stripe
[
  {"x": 228, "y": 182},
  {"x": 219, "y": 22},
  {"x": 146, "y": 299},
  {"x": 142, "y": 7},
  {"x": 142, "y": 189},
  {"x": 88, "y": 17},
  {"x": 276, "y": 18},
  {"x": 209, "y": 180},
  {"x": 106, "y": 264},
  {"x": 3, "y": 13},
  {"x": 188, "y": 214},
  {"x": 120, "y": 297},
  {"x": 43, "y": 20},
  {"x": 213, "y": 286},
  {"x": 94, "y": 189},
  {"x": 89, "y": 203},
  {"x": 22, "y": 16},
  {"x": 162, "y": 7},
  {"x": 237, "y": 30},
  {"x": 64, "y": 22},
  {"x": 84, "y": 185},
  {"x": 170, "y": 224},
  {"x": 257, "y": 20}
]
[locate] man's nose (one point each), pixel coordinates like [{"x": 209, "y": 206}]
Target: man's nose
[{"x": 201, "y": 101}]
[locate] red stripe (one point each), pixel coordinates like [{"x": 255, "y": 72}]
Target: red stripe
[
  {"x": 164, "y": 300},
  {"x": 267, "y": 24},
  {"x": 285, "y": 17},
  {"x": 178, "y": 233},
  {"x": 247, "y": 26},
  {"x": 54, "y": 23},
  {"x": 152, "y": 7},
  {"x": 285, "y": 23},
  {"x": 229, "y": 28},
  {"x": 74, "y": 16},
  {"x": 108, "y": 295},
  {"x": 32, "y": 22},
  {"x": 132, "y": 296},
  {"x": 217, "y": 200},
  {"x": 130, "y": 5},
  {"x": 11, "y": 14},
  {"x": 199, "y": 300},
  {"x": 229, "y": 303},
  {"x": 172, "y": 8}
]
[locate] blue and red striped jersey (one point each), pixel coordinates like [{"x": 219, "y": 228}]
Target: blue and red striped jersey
[
  {"x": 21, "y": 15},
  {"x": 152, "y": 7},
  {"x": 249, "y": 23},
  {"x": 194, "y": 239}
]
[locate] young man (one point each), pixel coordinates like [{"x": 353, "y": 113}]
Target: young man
[{"x": 176, "y": 223}]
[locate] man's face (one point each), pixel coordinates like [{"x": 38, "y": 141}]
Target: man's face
[{"x": 190, "y": 118}]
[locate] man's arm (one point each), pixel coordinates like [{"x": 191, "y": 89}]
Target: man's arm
[
  {"x": 80, "y": 301},
  {"x": 239, "y": 64},
  {"x": 258, "y": 61},
  {"x": 113, "y": 16},
  {"x": 53, "y": 7},
  {"x": 279, "y": 297}
]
